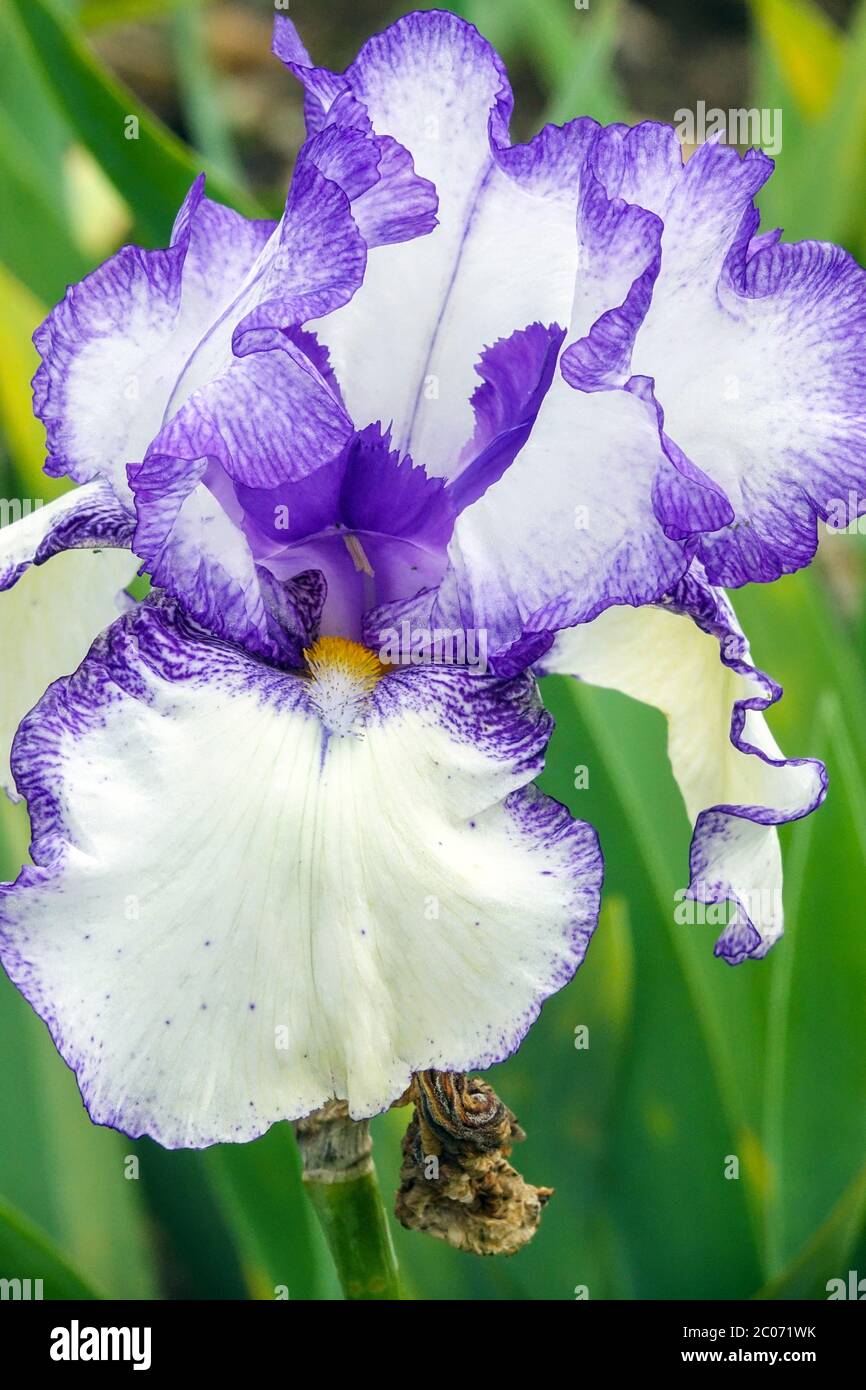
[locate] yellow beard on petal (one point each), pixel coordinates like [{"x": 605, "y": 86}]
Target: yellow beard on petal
[{"x": 342, "y": 675}]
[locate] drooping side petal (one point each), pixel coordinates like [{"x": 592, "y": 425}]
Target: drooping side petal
[
  {"x": 49, "y": 616},
  {"x": 361, "y": 907},
  {"x": 690, "y": 659}
]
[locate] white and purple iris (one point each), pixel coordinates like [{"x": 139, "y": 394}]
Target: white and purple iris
[{"x": 557, "y": 393}]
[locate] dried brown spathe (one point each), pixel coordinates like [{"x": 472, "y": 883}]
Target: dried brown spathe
[{"x": 456, "y": 1182}]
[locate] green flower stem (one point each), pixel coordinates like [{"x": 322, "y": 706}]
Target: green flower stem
[
  {"x": 356, "y": 1228},
  {"x": 341, "y": 1183}
]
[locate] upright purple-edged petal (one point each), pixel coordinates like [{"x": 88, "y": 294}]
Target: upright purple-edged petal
[
  {"x": 753, "y": 350},
  {"x": 398, "y": 205},
  {"x": 321, "y": 87},
  {"x": 504, "y": 253},
  {"x": 113, "y": 349},
  {"x": 128, "y": 346}
]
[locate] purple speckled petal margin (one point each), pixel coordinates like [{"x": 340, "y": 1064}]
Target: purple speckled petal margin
[
  {"x": 205, "y": 983},
  {"x": 689, "y": 658}
]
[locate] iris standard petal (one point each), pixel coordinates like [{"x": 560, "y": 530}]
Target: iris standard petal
[
  {"x": 113, "y": 349},
  {"x": 504, "y": 252},
  {"x": 753, "y": 348}
]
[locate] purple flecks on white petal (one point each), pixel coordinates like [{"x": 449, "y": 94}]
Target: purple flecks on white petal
[{"x": 380, "y": 924}]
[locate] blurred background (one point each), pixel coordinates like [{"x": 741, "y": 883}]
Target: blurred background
[{"x": 689, "y": 1062}]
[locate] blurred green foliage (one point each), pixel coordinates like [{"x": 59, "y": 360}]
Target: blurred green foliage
[{"x": 689, "y": 1061}]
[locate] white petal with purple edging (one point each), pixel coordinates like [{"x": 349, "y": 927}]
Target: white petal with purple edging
[
  {"x": 755, "y": 350},
  {"x": 236, "y": 915},
  {"x": 49, "y": 615},
  {"x": 115, "y": 346},
  {"x": 504, "y": 253},
  {"x": 569, "y": 528},
  {"x": 692, "y": 662}
]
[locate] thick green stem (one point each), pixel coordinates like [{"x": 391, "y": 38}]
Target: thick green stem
[
  {"x": 341, "y": 1183},
  {"x": 355, "y": 1226}
]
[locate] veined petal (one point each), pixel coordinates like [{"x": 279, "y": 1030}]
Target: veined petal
[
  {"x": 398, "y": 205},
  {"x": 114, "y": 347},
  {"x": 268, "y": 418},
  {"x": 689, "y": 658},
  {"x": 570, "y": 528},
  {"x": 779, "y": 416},
  {"x": 503, "y": 256},
  {"x": 49, "y": 617},
  {"x": 198, "y": 553},
  {"x": 754, "y": 349},
  {"x": 128, "y": 346},
  {"x": 235, "y": 915},
  {"x": 87, "y": 517}
]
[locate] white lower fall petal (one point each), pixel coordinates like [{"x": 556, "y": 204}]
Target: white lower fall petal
[{"x": 237, "y": 913}]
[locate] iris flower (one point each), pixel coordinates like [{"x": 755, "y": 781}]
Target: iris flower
[{"x": 471, "y": 412}]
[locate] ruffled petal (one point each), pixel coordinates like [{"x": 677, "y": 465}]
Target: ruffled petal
[
  {"x": 570, "y": 528},
  {"x": 197, "y": 552},
  {"x": 690, "y": 659},
  {"x": 270, "y": 417},
  {"x": 780, "y": 417},
  {"x": 516, "y": 374},
  {"x": 49, "y": 617},
  {"x": 754, "y": 350},
  {"x": 503, "y": 256},
  {"x": 129, "y": 345},
  {"x": 235, "y": 915},
  {"x": 112, "y": 350},
  {"x": 398, "y": 205}
]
